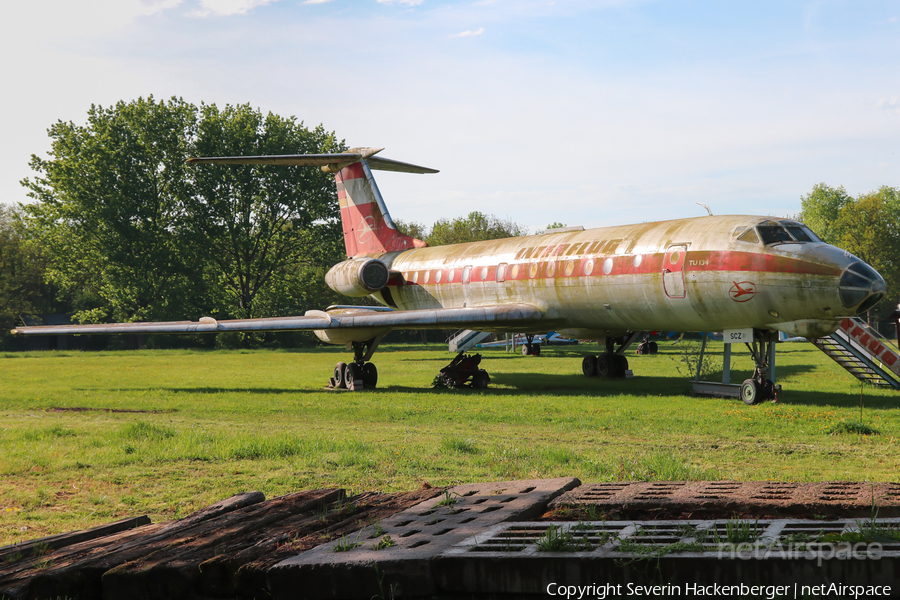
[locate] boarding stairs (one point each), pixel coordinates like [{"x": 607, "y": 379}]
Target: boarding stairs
[
  {"x": 863, "y": 352},
  {"x": 465, "y": 339}
]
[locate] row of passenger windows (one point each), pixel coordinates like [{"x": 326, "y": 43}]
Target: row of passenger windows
[{"x": 504, "y": 271}]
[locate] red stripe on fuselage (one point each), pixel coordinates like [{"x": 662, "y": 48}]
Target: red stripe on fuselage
[{"x": 713, "y": 260}]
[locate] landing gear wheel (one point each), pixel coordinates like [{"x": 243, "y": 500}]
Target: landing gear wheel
[
  {"x": 339, "y": 369},
  {"x": 526, "y": 350},
  {"x": 351, "y": 374},
  {"x": 768, "y": 387},
  {"x": 653, "y": 347},
  {"x": 643, "y": 348},
  {"x": 604, "y": 365},
  {"x": 369, "y": 375},
  {"x": 620, "y": 365},
  {"x": 751, "y": 392},
  {"x": 589, "y": 366},
  {"x": 536, "y": 350},
  {"x": 480, "y": 380}
]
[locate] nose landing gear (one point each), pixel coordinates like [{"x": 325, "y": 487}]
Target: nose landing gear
[{"x": 760, "y": 387}]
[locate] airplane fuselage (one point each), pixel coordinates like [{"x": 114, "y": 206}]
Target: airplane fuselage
[{"x": 683, "y": 275}]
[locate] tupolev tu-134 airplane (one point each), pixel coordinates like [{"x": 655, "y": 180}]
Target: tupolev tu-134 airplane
[{"x": 608, "y": 284}]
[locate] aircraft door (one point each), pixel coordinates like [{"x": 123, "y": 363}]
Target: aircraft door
[{"x": 673, "y": 271}]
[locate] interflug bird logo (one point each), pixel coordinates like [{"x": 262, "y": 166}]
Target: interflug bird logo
[{"x": 742, "y": 291}]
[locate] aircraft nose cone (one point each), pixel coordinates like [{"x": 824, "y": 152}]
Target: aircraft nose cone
[{"x": 862, "y": 287}]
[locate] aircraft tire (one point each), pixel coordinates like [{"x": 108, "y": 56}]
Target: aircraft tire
[
  {"x": 339, "y": 369},
  {"x": 621, "y": 365},
  {"x": 751, "y": 392},
  {"x": 526, "y": 350},
  {"x": 653, "y": 347},
  {"x": 369, "y": 375},
  {"x": 589, "y": 366},
  {"x": 351, "y": 374},
  {"x": 604, "y": 366},
  {"x": 643, "y": 348},
  {"x": 480, "y": 380},
  {"x": 536, "y": 351}
]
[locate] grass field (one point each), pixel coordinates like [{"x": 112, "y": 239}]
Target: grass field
[{"x": 88, "y": 438}]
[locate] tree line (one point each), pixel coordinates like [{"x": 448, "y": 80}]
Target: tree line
[{"x": 123, "y": 229}]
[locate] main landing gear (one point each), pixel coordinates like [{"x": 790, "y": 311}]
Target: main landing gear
[
  {"x": 760, "y": 387},
  {"x": 611, "y": 363},
  {"x": 529, "y": 348},
  {"x": 360, "y": 373}
]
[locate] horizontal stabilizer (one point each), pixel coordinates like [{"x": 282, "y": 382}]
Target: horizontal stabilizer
[
  {"x": 501, "y": 317},
  {"x": 329, "y": 162}
]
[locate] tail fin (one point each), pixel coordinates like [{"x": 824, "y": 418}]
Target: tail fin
[{"x": 368, "y": 227}]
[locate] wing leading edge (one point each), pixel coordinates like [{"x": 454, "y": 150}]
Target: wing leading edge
[{"x": 495, "y": 317}]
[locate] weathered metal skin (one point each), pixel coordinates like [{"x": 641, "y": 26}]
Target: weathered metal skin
[
  {"x": 357, "y": 277},
  {"x": 682, "y": 275},
  {"x": 702, "y": 274}
]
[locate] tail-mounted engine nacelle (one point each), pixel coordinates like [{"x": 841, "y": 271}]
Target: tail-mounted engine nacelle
[{"x": 358, "y": 277}]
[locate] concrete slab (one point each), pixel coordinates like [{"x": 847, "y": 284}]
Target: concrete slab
[
  {"x": 763, "y": 498},
  {"x": 393, "y": 557},
  {"x": 508, "y": 559}
]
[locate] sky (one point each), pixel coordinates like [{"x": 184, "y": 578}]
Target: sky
[{"x": 589, "y": 113}]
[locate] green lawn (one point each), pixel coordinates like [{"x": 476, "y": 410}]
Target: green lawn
[{"x": 88, "y": 438}]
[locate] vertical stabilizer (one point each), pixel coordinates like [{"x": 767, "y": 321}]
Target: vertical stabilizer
[{"x": 368, "y": 227}]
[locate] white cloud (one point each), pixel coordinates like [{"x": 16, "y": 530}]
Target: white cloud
[
  {"x": 468, "y": 33},
  {"x": 890, "y": 105},
  {"x": 225, "y": 8}
]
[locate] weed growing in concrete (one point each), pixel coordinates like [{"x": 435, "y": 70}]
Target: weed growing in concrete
[
  {"x": 448, "y": 499},
  {"x": 554, "y": 540},
  {"x": 344, "y": 544},
  {"x": 739, "y": 532},
  {"x": 384, "y": 542},
  {"x": 377, "y": 530}
]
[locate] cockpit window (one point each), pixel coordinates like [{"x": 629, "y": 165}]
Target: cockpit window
[
  {"x": 773, "y": 233},
  {"x": 797, "y": 233},
  {"x": 749, "y": 236}
]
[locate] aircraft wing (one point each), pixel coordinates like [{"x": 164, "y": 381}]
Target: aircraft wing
[{"x": 501, "y": 317}]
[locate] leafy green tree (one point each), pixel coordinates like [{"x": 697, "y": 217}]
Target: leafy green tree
[
  {"x": 132, "y": 232},
  {"x": 821, "y": 208},
  {"x": 416, "y": 230},
  {"x": 870, "y": 229},
  {"x": 474, "y": 227},
  {"x": 255, "y": 224},
  {"x": 868, "y": 226},
  {"x": 109, "y": 208},
  {"x": 22, "y": 268},
  {"x": 556, "y": 225}
]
